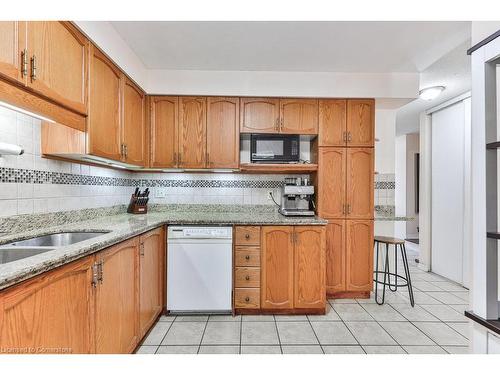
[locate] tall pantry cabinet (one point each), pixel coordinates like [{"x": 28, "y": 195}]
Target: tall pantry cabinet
[{"x": 345, "y": 193}]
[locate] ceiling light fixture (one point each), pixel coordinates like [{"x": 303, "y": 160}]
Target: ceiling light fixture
[
  {"x": 25, "y": 112},
  {"x": 430, "y": 93}
]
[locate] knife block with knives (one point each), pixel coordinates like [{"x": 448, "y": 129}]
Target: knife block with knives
[{"x": 139, "y": 202}]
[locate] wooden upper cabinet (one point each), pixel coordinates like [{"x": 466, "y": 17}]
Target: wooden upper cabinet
[
  {"x": 12, "y": 45},
  {"x": 332, "y": 122},
  {"x": 223, "y": 137},
  {"x": 134, "y": 124},
  {"x": 360, "y": 183},
  {"x": 299, "y": 116},
  {"x": 361, "y": 122},
  {"x": 335, "y": 256},
  {"x": 164, "y": 131},
  {"x": 192, "y": 132},
  {"x": 277, "y": 268},
  {"x": 359, "y": 262},
  {"x": 151, "y": 278},
  {"x": 259, "y": 115},
  {"x": 105, "y": 107},
  {"x": 58, "y": 63},
  {"x": 116, "y": 303},
  {"x": 309, "y": 274},
  {"x": 332, "y": 182},
  {"x": 51, "y": 311}
]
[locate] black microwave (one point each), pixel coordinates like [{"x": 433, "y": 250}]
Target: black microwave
[{"x": 274, "y": 148}]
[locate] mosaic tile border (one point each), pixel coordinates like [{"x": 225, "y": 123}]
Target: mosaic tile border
[
  {"x": 385, "y": 185},
  {"x": 15, "y": 175}
]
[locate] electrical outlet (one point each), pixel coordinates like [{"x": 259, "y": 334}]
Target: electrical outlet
[{"x": 269, "y": 192}]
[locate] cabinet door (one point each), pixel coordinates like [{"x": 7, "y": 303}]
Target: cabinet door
[
  {"x": 192, "y": 132},
  {"x": 332, "y": 122},
  {"x": 332, "y": 182},
  {"x": 105, "y": 107},
  {"x": 359, "y": 268},
  {"x": 277, "y": 267},
  {"x": 335, "y": 256},
  {"x": 134, "y": 124},
  {"x": 12, "y": 44},
  {"x": 259, "y": 115},
  {"x": 309, "y": 273},
  {"x": 152, "y": 278},
  {"x": 223, "y": 137},
  {"x": 58, "y": 63},
  {"x": 164, "y": 131},
  {"x": 299, "y": 116},
  {"x": 360, "y": 174},
  {"x": 51, "y": 313},
  {"x": 361, "y": 122},
  {"x": 116, "y": 304}
]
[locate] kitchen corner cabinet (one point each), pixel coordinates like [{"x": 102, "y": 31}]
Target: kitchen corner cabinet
[
  {"x": 151, "y": 278},
  {"x": 223, "y": 137},
  {"x": 299, "y": 116},
  {"x": 359, "y": 255},
  {"x": 360, "y": 122},
  {"x": 164, "y": 120},
  {"x": 12, "y": 51},
  {"x": 192, "y": 132},
  {"x": 134, "y": 124},
  {"x": 51, "y": 313}
]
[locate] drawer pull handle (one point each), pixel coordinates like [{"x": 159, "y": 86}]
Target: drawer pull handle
[
  {"x": 247, "y": 277},
  {"x": 247, "y": 236},
  {"x": 247, "y": 299},
  {"x": 247, "y": 257}
]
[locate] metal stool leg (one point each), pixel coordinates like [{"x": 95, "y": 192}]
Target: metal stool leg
[
  {"x": 386, "y": 271},
  {"x": 376, "y": 273},
  {"x": 395, "y": 286},
  {"x": 407, "y": 272}
]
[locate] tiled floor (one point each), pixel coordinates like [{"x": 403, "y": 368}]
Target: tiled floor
[{"x": 436, "y": 325}]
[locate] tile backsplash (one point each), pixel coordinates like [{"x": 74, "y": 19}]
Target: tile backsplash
[
  {"x": 385, "y": 188},
  {"x": 32, "y": 184}
]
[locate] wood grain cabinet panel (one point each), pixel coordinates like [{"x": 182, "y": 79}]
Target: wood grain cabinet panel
[
  {"x": 49, "y": 314},
  {"x": 247, "y": 277},
  {"x": 12, "y": 44},
  {"x": 359, "y": 269},
  {"x": 105, "y": 107},
  {"x": 247, "y": 298},
  {"x": 299, "y": 116},
  {"x": 259, "y": 115},
  {"x": 134, "y": 124},
  {"x": 361, "y": 122},
  {"x": 360, "y": 181},
  {"x": 247, "y": 235},
  {"x": 277, "y": 267},
  {"x": 332, "y": 122},
  {"x": 164, "y": 131},
  {"x": 151, "y": 278},
  {"x": 332, "y": 182},
  {"x": 309, "y": 273},
  {"x": 223, "y": 137},
  {"x": 335, "y": 256},
  {"x": 247, "y": 256},
  {"x": 117, "y": 300},
  {"x": 192, "y": 132},
  {"x": 58, "y": 63}
]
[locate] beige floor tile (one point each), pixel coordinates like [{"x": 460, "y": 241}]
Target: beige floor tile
[
  {"x": 341, "y": 349},
  {"x": 260, "y": 349},
  {"x": 222, "y": 333},
  {"x": 147, "y": 349},
  {"x": 302, "y": 349},
  {"x": 383, "y": 313},
  {"x": 259, "y": 333},
  {"x": 457, "y": 349},
  {"x": 184, "y": 333},
  {"x": 296, "y": 333},
  {"x": 405, "y": 333},
  {"x": 424, "y": 350},
  {"x": 441, "y": 334},
  {"x": 219, "y": 349},
  {"x": 383, "y": 350},
  {"x": 178, "y": 349},
  {"x": 352, "y": 312},
  {"x": 370, "y": 333},
  {"x": 445, "y": 313},
  {"x": 333, "y": 333},
  {"x": 157, "y": 334}
]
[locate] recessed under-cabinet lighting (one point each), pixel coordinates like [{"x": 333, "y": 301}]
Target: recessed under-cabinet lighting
[{"x": 25, "y": 112}]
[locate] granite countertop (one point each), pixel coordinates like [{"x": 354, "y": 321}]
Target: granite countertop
[
  {"x": 121, "y": 226},
  {"x": 393, "y": 218}
]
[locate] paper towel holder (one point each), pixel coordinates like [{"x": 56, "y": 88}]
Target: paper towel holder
[{"x": 10, "y": 149}]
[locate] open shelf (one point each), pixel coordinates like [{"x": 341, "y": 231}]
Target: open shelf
[
  {"x": 278, "y": 168},
  {"x": 494, "y": 235},
  {"x": 493, "y": 145}
]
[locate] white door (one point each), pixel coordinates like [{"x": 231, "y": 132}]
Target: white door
[{"x": 448, "y": 178}]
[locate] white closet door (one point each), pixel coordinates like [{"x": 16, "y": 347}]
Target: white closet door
[{"x": 448, "y": 192}]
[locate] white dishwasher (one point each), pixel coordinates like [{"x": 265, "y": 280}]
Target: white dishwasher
[{"x": 199, "y": 269}]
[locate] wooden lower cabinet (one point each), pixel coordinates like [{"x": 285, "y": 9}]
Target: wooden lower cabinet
[
  {"x": 151, "y": 278},
  {"x": 335, "y": 256},
  {"x": 359, "y": 255},
  {"x": 116, "y": 314},
  {"x": 51, "y": 313}
]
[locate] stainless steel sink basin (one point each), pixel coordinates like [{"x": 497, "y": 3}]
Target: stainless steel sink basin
[
  {"x": 55, "y": 240},
  {"x": 10, "y": 254}
]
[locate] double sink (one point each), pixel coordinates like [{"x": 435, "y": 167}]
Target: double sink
[{"x": 17, "y": 250}]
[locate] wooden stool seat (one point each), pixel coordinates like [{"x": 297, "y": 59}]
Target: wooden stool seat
[{"x": 389, "y": 240}]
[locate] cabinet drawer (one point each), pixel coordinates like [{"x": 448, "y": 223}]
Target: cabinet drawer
[
  {"x": 247, "y": 236},
  {"x": 247, "y": 298},
  {"x": 246, "y": 256},
  {"x": 247, "y": 277}
]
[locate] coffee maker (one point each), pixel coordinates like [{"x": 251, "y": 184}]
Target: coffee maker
[{"x": 297, "y": 197}]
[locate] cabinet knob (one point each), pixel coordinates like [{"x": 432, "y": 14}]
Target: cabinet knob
[
  {"x": 247, "y": 299},
  {"x": 247, "y": 257},
  {"x": 247, "y": 277},
  {"x": 247, "y": 236}
]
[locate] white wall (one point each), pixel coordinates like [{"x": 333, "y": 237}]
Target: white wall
[
  {"x": 400, "y": 194},
  {"x": 483, "y": 29},
  {"x": 385, "y": 132}
]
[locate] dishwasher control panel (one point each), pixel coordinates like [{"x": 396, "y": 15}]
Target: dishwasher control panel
[{"x": 199, "y": 232}]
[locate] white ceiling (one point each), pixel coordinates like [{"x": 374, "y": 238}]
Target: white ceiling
[{"x": 370, "y": 47}]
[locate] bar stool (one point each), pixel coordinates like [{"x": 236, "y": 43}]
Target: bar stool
[{"x": 406, "y": 280}]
